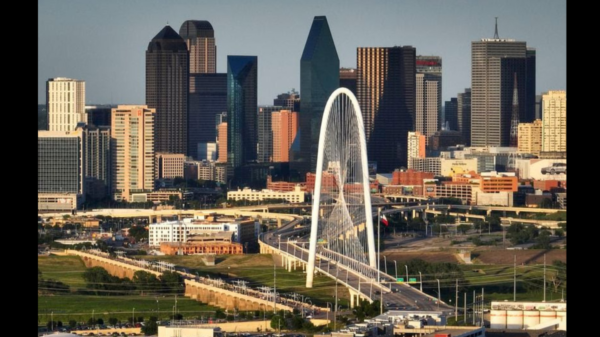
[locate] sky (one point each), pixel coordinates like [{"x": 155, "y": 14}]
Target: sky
[{"x": 104, "y": 42}]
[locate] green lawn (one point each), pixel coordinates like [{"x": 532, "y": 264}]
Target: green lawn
[
  {"x": 80, "y": 307},
  {"x": 257, "y": 269},
  {"x": 66, "y": 269}
]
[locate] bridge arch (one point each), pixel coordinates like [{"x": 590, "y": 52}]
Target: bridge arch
[{"x": 342, "y": 219}]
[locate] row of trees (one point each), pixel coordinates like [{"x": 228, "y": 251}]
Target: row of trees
[
  {"x": 519, "y": 233},
  {"x": 100, "y": 282}
]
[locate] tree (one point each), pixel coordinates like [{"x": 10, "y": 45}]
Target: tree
[
  {"x": 100, "y": 321},
  {"x": 277, "y": 322},
  {"x": 72, "y": 324},
  {"x": 151, "y": 328},
  {"x": 113, "y": 321},
  {"x": 519, "y": 233},
  {"x": 560, "y": 274},
  {"x": 146, "y": 282},
  {"x": 542, "y": 241},
  {"x": 138, "y": 232},
  {"x": 463, "y": 228},
  {"x": 171, "y": 282}
]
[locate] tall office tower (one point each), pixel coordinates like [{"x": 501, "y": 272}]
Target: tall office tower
[
  {"x": 167, "y": 81},
  {"x": 241, "y": 111},
  {"x": 451, "y": 113},
  {"x": 319, "y": 77},
  {"x": 494, "y": 64},
  {"x": 530, "y": 108},
  {"x": 348, "y": 78},
  {"x": 538, "y": 106},
  {"x": 289, "y": 100},
  {"x": 265, "y": 134},
  {"x": 554, "y": 122},
  {"x": 98, "y": 115},
  {"x": 61, "y": 161},
  {"x": 463, "y": 118},
  {"x": 514, "y": 120},
  {"x": 429, "y": 95},
  {"x": 222, "y": 142},
  {"x": 416, "y": 145},
  {"x": 386, "y": 94},
  {"x": 530, "y": 137},
  {"x": 98, "y": 160},
  {"x": 168, "y": 165},
  {"x": 208, "y": 98},
  {"x": 284, "y": 125},
  {"x": 132, "y": 147},
  {"x": 199, "y": 37},
  {"x": 65, "y": 103}
]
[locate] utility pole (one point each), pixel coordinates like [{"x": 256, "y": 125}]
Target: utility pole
[
  {"x": 456, "y": 302},
  {"x": 274, "y": 289},
  {"x": 378, "y": 244},
  {"x": 482, "y": 306},
  {"x": 544, "y": 278},
  {"x": 515, "y": 280},
  {"x": 473, "y": 307},
  {"x": 465, "y": 312},
  {"x": 336, "y": 299}
]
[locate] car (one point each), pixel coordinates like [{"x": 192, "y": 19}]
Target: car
[{"x": 556, "y": 168}]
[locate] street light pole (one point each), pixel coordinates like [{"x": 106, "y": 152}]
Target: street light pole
[
  {"x": 421, "y": 282},
  {"x": 396, "y": 268},
  {"x": 378, "y": 244},
  {"x": 385, "y": 263},
  {"x": 406, "y": 274},
  {"x": 439, "y": 293}
]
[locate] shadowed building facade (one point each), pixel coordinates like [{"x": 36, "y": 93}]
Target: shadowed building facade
[
  {"x": 428, "y": 101},
  {"x": 199, "y": 37},
  {"x": 386, "y": 94},
  {"x": 463, "y": 115},
  {"x": 241, "y": 111},
  {"x": 319, "y": 77},
  {"x": 208, "y": 98},
  {"x": 167, "y": 80}
]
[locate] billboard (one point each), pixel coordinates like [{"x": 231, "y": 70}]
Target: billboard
[
  {"x": 542, "y": 169},
  {"x": 450, "y": 167}
]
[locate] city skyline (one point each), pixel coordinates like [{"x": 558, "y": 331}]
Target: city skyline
[{"x": 90, "y": 31}]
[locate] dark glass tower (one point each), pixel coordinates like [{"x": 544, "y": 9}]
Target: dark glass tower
[
  {"x": 167, "y": 70},
  {"x": 451, "y": 113},
  {"x": 463, "y": 118},
  {"x": 241, "y": 111},
  {"x": 208, "y": 98},
  {"x": 319, "y": 77},
  {"x": 386, "y": 94}
]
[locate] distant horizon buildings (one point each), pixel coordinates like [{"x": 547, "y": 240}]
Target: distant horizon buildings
[
  {"x": 65, "y": 103},
  {"x": 319, "y": 77},
  {"x": 386, "y": 95},
  {"x": 284, "y": 126},
  {"x": 463, "y": 115},
  {"x": 167, "y": 81},
  {"x": 530, "y": 137},
  {"x": 494, "y": 65}
]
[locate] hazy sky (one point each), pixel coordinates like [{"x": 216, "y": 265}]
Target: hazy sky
[{"x": 104, "y": 42}]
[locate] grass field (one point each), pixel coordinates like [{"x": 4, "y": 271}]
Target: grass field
[
  {"x": 257, "y": 269},
  {"x": 66, "y": 269},
  {"x": 80, "y": 307}
]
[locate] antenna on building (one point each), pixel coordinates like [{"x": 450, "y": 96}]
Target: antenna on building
[{"x": 496, "y": 30}]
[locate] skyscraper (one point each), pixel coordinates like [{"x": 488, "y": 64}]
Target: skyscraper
[
  {"x": 494, "y": 65},
  {"x": 208, "y": 98},
  {"x": 132, "y": 146},
  {"x": 61, "y": 161},
  {"x": 222, "y": 142},
  {"x": 416, "y": 145},
  {"x": 241, "y": 111},
  {"x": 167, "y": 80},
  {"x": 428, "y": 117},
  {"x": 386, "y": 94},
  {"x": 265, "y": 133},
  {"x": 554, "y": 122},
  {"x": 530, "y": 137},
  {"x": 463, "y": 117},
  {"x": 199, "y": 37},
  {"x": 451, "y": 113},
  {"x": 284, "y": 126},
  {"x": 65, "y": 103},
  {"x": 319, "y": 77},
  {"x": 98, "y": 160}
]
